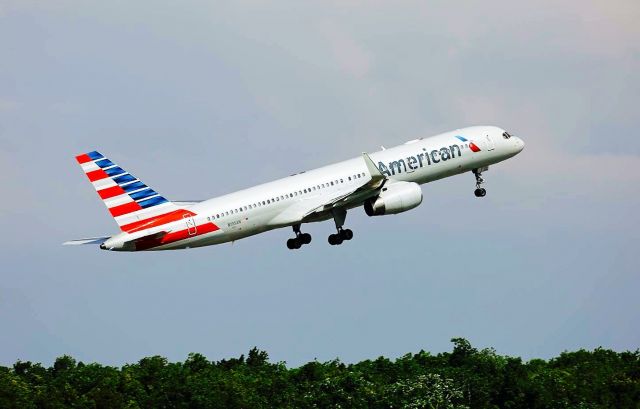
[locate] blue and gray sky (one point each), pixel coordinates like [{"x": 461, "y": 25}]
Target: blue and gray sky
[{"x": 201, "y": 98}]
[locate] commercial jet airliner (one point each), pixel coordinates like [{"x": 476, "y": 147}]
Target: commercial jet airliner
[{"x": 384, "y": 182}]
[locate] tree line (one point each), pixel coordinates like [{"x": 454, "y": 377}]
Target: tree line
[{"x": 464, "y": 378}]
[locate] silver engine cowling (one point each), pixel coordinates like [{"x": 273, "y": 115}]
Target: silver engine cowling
[{"x": 395, "y": 198}]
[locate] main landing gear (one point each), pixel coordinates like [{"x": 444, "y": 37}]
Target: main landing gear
[
  {"x": 480, "y": 191},
  {"x": 339, "y": 216},
  {"x": 299, "y": 240}
]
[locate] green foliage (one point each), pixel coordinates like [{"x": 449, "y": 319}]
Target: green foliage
[{"x": 464, "y": 378}]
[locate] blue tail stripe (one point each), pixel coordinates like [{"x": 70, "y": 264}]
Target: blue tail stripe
[
  {"x": 142, "y": 194},
  {"x": 95, "y": 155},
  {"x": 133, "y": 186},
  {"x": 152, "y": 202},
  {"x": 104, "y": 163},
  {"x": 115, "y": 171},
  {"x": 123, "y": 179}
]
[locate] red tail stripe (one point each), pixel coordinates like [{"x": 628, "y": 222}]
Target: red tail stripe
[
  {"x": 97, "y": 175},
  {"x": 156, "y": 220},
  {"x": 175, "y": 236},
  {"x": 111, "y": 192},
  {"x": 184, "y": 234},
  {"x": 124, "y": 209},
  {"x": 84, "y": 158}
]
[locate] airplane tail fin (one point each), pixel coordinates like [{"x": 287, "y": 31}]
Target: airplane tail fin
[{"x": 131, "y": 202}]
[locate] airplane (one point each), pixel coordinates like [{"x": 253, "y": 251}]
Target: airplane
[{"x": 384, "y": 182}]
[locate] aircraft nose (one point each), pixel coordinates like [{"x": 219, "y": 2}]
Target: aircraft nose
[{"x": 519, "y": 144}]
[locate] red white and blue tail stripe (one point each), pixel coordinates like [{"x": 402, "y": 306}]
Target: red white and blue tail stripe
[{"x": 129, "y": 200}]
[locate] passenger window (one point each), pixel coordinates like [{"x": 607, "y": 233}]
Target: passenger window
[{"x": 331, "y": 183}]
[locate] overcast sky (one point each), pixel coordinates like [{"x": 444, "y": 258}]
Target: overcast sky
[{"x": 201, "y": 98}]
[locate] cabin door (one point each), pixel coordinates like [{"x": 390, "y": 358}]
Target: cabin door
[
  {"x": 490, "y": 144},
  {"x": 191, "y": 224}
]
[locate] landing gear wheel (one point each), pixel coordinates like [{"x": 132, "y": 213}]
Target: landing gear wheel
[
  {"x": 335, "y": 239},
  {"x": 480, "y": 192},
  {"x": 346, "y": 234},
  {"x": 299, "y": 240}
]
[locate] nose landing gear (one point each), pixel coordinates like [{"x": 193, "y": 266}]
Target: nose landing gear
[
  {"x": 480, "y": 191},
  {"x": 299, "y": 240}
]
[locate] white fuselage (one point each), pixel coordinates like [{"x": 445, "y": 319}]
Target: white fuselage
[{"x": 271, "y": 205}]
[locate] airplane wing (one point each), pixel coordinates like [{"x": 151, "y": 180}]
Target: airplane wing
[
  {"x": 366, "y": 190},
  {"x": 317, "y": 207}
]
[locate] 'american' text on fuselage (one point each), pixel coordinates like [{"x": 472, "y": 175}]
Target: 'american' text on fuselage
[{"x": 420, "y": 160}]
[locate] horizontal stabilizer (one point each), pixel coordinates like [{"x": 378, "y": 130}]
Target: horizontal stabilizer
[{"x": 93, "y": 240}]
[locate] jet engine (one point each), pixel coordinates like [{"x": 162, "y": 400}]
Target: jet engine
[{"x": 395, "y": 198}]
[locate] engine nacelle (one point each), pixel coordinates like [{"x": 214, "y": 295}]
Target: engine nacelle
[{"x": 396, "y": 198}]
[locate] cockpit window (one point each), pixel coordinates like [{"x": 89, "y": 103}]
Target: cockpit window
[{"x": 506, "y": 135}]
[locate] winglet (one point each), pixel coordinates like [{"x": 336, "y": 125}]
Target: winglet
[{"x": 376, "y": 175}]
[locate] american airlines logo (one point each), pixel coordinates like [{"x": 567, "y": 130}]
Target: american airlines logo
[{"x": 425, "y": 158}]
